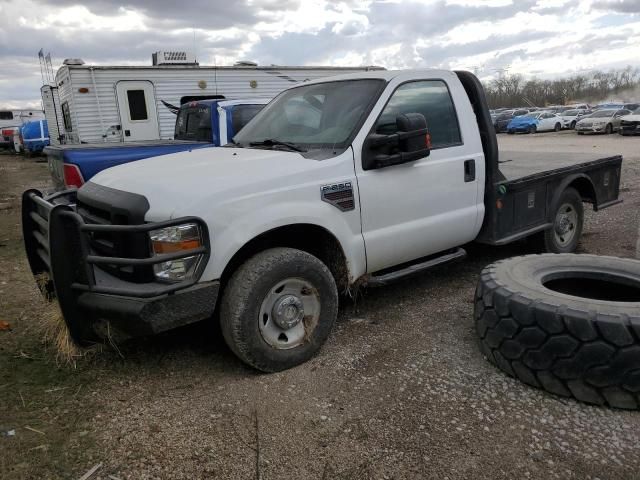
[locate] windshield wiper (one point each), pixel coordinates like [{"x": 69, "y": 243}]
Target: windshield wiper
[
  {"x": 272, "y": 142},
  {"x": 232, "y": 144}
]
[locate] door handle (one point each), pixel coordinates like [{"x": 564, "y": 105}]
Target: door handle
[
  {"x": 469, "y": 170},
  {"x": 127, "y": 133}
]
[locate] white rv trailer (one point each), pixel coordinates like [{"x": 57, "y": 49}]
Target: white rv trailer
[
  {"x": 88, "y": 103},
  {"x": 16, "y": 118}
]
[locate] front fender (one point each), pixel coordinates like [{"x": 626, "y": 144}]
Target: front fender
[{"x": 231, "y": 231}]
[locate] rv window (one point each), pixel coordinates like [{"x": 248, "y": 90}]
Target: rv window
[
  {"x": 6, "y": 115},
  {"x": 195, "y": 98},
  {"x": 242, "y": 114},
  {"x": 66, "y": 117},
  {"x": 137, "y": 105}
]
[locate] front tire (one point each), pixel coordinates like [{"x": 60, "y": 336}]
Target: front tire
[
  {"x": 278, "y": 309},
  {"x": 532, "y": 129},
  {"x": 557, "y": 127},
  {"x": 609, "y": 129},
  {"x": 573, "y": 125}
]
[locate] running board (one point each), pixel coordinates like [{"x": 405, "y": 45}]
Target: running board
[{"x": 415, "y": 268}]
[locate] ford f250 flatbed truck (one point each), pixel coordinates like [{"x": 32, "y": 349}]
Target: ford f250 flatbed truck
[
  {"x": 199, "y": 124},
  {"x": 365, "y": 177}
]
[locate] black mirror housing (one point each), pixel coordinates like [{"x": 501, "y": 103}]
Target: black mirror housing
[{"x": 412, "y": 142}]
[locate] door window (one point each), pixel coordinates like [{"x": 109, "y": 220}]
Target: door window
[
  {"x": 432, "y": 99},
  {"x": 137, "y": 105}
]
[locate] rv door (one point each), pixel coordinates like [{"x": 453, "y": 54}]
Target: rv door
[{"x": 137, "y": 105}]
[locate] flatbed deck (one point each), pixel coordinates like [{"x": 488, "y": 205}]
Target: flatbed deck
[{"x": 516, "y": 164}]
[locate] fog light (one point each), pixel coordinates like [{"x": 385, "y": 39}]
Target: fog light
[{"x": 179, "y": 238}]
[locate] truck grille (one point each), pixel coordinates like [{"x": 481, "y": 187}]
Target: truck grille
[{"x": 99, "y": 205}]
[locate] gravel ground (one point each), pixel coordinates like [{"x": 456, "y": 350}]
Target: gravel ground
[{"x": 400, "y": 390}]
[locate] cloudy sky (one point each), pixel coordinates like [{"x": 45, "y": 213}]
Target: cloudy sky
[{"x": 543, "y": 38}]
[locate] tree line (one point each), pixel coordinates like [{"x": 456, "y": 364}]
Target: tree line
[{"x": 515, "y": 90}]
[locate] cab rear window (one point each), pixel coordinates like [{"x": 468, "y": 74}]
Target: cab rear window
[{"x": 194, "y": 123}]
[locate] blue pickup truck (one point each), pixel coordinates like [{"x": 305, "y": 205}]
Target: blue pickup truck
[{"x": 199, "y": 124}]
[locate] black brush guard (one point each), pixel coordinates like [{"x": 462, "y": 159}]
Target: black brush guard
[{"x": 58, "y": 247}]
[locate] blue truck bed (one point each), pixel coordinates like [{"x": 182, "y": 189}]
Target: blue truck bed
[{"x": 93, "y": 158}]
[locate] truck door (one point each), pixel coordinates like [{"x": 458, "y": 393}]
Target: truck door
[
  {"x": 137, "y": 106},
  {"x": 432, "y": 204}
]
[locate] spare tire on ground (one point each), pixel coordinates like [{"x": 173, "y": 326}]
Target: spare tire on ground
[{"x": 569, "y": 324}]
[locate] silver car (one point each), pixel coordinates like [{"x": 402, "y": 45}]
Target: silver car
[{"x": 601, "y": 121}]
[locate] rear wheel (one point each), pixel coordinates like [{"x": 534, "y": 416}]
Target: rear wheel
[
  {"x": 278, "y": 309},
  {"x": 609, "y": 129},
  {"x": 568, "y": 220},
  {"x": 532, "y": 129}
]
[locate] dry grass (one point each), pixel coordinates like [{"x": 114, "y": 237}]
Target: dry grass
[{"x": 56, "y": 334}]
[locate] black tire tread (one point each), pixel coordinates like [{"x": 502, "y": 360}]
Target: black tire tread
[{"x": 594, "y": 358}]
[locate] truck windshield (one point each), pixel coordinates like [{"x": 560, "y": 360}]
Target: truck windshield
[
  {"x": 323, "y": 115},
  {"x": 194, "y": 123}
]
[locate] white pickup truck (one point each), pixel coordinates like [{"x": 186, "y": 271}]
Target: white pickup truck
[{"x": 368, "y": 177}]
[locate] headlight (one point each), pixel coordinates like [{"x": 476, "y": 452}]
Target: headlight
[{"x": 179, "y": 238}]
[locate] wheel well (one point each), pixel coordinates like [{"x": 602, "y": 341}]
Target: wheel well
[
  {"x": 309, "y": 238},
  {"x": 585, "y": 188}
]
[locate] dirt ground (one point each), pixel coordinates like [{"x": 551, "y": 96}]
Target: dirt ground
[{"x": 400, "y": 390}]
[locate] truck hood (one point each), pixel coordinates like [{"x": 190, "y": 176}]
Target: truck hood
[{"x": 173, "y": 182}]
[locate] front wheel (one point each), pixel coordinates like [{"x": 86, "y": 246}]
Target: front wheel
[
  {"x": 568, "y": 220},
  {"x": 557, "y": 128},
  {"x": 609, "y": 129},
  {"x": 278, "y": 309},
  {"x": 573, "y": 125},
  {"x": 532, "y": 129}
]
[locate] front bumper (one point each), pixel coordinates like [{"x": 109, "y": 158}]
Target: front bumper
[
  {"x": 519, "y": 128},
  {"x": 590, "y": 128},
  {"x": 94, "y": 302},
  {"x": 630, "y": 129}
]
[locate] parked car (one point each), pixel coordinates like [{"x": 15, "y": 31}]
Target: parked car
[
  {"x": 35, "y": 137},
  {"x": 7, "y": 136},
  {"x": 631, "y": 106},
  {"x": 630, "y": 124},
  {"x": 571, "y": 117},
  {"x": 535, "y": 122},
  {"x": 270, "y": 229},
  {"x": 601, "y": 121},
  {"x": 502, "y": 120}
]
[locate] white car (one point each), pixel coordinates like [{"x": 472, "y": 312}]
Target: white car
[{"x": 571, "y": 117}]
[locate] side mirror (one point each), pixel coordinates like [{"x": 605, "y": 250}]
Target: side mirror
[{"x": 412, "y": 142}]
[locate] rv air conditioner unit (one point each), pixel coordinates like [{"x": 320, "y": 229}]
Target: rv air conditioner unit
[{"x": 173, "y": 57}]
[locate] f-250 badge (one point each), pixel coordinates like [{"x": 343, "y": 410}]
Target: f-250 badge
[{"x": 340, "y": 195}]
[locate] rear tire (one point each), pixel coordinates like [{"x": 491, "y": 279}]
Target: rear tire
[
  {"x": 278, "y": 309},
  {"x": 568, "y": 221}
]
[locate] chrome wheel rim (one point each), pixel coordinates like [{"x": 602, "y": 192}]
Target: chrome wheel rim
[
  {"x": 289, "y": 313},
  {"x": 566, "y": 224}
]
